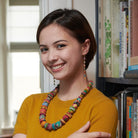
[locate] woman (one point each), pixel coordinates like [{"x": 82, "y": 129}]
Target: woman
[{"x": 75, "y": 108}]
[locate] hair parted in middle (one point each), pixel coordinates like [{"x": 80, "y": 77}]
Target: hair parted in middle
[{"x": 78, "y": 26}]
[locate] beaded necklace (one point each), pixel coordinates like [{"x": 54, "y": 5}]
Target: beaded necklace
[{"x": 67, "y": 116}]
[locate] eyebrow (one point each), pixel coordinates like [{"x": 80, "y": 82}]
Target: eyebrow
[
  {"x": 60, "y": 41},
  {"x": 43, "y": 45}
]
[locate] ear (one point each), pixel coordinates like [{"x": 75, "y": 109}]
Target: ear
[{"x": 85, "y": 47}]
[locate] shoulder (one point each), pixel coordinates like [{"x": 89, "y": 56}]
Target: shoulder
[
  {"x": 104, "y": 114},
  {"x": 34, "y": 98},
  {"x": 97, "y": 96},
  {"x": 98, "y": 100}
]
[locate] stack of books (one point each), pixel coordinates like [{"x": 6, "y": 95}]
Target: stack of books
[
  {"x": 132, "y": 72},
  {"x": 127, "y": 104}
]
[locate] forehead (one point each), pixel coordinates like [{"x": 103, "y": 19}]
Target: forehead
[{"x": 55, "y": 31}]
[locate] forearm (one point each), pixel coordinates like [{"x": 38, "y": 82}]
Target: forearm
[{"x": 19, "y": 136}]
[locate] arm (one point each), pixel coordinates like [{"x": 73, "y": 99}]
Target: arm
[
  {"x": 19, "y": 136},
  {"x": 103, "y": 122},
  {"x": 104, "y": 118},
  {"x": 20, "y": 129},
  {"x": 82, "y": 133}
]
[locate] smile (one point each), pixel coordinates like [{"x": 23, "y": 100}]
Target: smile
[{"x": 57, "y": 68}]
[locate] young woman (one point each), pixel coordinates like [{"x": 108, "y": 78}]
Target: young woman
[{"x": 74, "y": 108}]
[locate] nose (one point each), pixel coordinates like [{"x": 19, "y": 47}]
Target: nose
[{"x": 52, "y": 55}]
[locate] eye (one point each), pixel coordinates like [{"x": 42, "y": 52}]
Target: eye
[
  {"x": 60, "y": 46},
  {"x": 44, "y": 49}
]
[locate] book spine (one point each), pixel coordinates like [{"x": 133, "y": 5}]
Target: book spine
[
  {"x": 134, "y": 60},
  {"x": 123, "y": 38},
  {"x": 115, "y": 38},
  {"x": 134, "y": 28},
  {"x": 107, "y": 38},
  {"x": 133, "y": 67},
  {"x": 129, "y": 101},
  {"x": 137, "y": 118},
  {"x": 129, "y": 122},
  {"x": 129, "y": 26},
  {"x": 101, "y": 37},
  {"x": 134, "y": 119}
]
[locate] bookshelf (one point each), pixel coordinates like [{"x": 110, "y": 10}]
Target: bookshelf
[
  {"x": 111, "y": 83},
  {"x": 117, "y": 53}
]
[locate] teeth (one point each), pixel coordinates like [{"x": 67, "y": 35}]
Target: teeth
[{"x": 56, "y": 67}]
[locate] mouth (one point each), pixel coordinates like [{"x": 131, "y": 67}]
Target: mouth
[{"x": 56, "y": 68}]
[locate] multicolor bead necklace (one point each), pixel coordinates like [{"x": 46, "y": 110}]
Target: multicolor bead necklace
[{"x": 67, "y": 116}]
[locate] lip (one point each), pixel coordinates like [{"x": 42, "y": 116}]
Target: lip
[{"x": 57, "y": 68}]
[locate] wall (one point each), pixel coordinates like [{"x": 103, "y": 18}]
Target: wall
[{"x": 87, "y": 7}]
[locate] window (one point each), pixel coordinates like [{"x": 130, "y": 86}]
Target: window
[
  {"x": 24, "y": 56},
  {"x": 23, "y": 22}
]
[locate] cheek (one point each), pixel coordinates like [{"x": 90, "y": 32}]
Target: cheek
[{"x": 43, "y": 59}]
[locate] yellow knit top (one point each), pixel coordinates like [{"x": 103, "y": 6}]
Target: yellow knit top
[{"x": 95, "y": 107}]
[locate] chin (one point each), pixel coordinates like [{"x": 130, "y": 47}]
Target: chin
[{"x": 60, "y": 77}]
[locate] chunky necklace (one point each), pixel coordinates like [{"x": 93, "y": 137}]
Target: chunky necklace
[{"x": 67, "y": 116}]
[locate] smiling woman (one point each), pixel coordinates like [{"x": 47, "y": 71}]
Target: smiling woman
[{"x": 74, "y": 108}]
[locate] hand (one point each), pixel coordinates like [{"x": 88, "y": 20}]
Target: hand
[
  {"x": 19, "y": 136},
  {"x": 81, "y": 133}
]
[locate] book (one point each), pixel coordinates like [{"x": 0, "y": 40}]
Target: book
[
  {"x": 137, "y": 118},
  {"x": 133, "y": 67},
  {"x": 129, "y": 35},
  {"x": 115, "y": 37},
  {"x": 120, "y": 107},
  {"x": 134, "y": 60},
  {"x": 134, "y": 116},
  {"x": 100, "y": 38},
  {"x": 123, "y": 38},
  {"x": 134, "y": 28},
  {"x": 107, "y": 38},
  {"x": 115, "y": 100},
  {"x": 129, "y": 100},
  {"x": 131, "y": 74}
]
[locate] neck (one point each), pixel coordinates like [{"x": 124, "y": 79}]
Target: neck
[{"x": 71, "y": 89}]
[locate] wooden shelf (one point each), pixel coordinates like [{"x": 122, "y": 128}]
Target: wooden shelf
[
  {"x": 6, "y": 132},
  {"x": 6, "y": 136},
  {"x": 122, "y": 81},
  {"x": 111, "y": 86}
]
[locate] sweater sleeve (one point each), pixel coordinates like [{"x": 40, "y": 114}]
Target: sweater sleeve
[
  {"x": 22, "y": 118},
  {"x": 104, "y": 117}
]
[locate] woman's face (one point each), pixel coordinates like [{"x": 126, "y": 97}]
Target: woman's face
[{"x": 61, "y": 54}]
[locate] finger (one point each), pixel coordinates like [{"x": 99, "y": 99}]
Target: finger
[
  {"x": 99, "y": 134},
  {"x": 85, "y": 127}
]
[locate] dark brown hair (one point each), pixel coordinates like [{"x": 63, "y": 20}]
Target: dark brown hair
[{"x": 76, "y": 23}]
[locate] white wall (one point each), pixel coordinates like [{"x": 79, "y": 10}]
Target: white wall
[{"x": 87, "y": 7}]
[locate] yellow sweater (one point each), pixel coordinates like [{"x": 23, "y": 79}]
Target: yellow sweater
[{"x": 95, "y": 107}]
